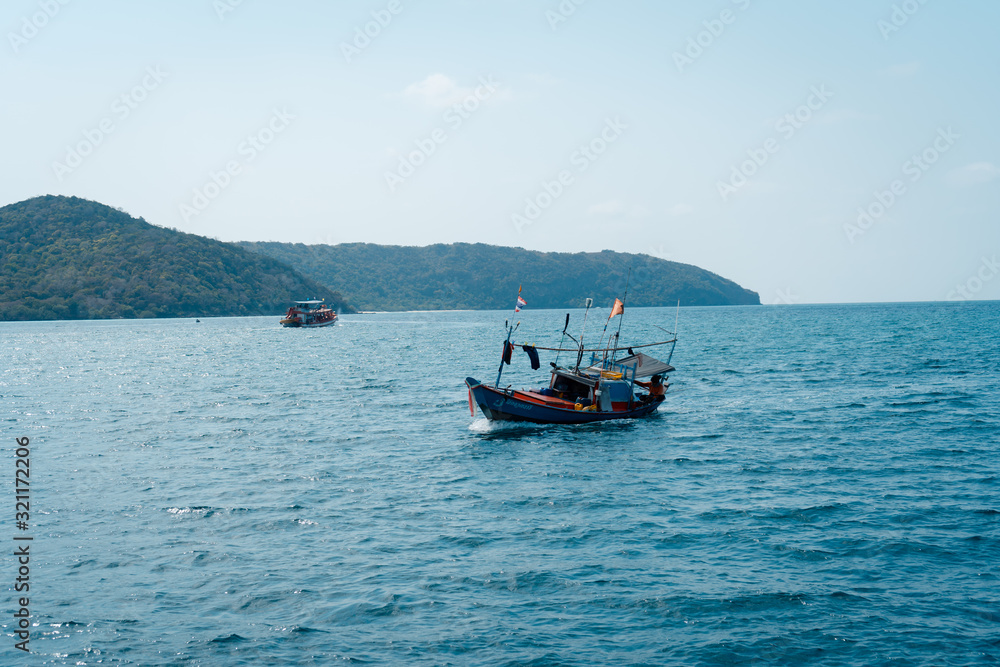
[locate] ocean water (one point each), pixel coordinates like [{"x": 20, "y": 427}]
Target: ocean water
[{"x": 821, "y": 486}]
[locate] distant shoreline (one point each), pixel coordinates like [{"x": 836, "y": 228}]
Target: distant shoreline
[{"x": 277, "y": 316}]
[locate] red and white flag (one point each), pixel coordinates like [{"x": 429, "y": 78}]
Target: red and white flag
[{"x": 520, "y": 301}]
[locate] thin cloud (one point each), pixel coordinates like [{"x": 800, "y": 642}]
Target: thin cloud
[
  {"x": 976, "y": 173},
  {"x": 901, "y": 70},
  {"x": 438, "y": 91}
]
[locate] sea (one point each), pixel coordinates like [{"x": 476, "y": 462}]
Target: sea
[{"x": 820, "y": 487}]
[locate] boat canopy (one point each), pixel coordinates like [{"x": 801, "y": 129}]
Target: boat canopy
[
  {"x": 648, "y": 366},
  {"x": 590, "y": 381}
]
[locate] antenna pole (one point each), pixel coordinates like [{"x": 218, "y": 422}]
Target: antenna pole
[
  {"x": 676, "y": 320},
  {"x": 579, "y": 355},
  {"x": 622, "y": 318},
  {"x": 510, "y": 332},
  {"x": 563, "y": 339},
  {"x": 506, "y": 345}
]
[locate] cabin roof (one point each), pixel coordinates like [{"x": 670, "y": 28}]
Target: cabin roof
[
  {"x": 576, "y": 377},
  {"x": 648, "y": 366}
]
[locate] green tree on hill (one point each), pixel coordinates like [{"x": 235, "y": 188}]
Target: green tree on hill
[
  {"x": 478, "y": 276},
  {"x": 70, "y": 258}
]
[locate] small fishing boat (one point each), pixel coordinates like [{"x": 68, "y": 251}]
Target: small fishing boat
[
  {"x": 604, "y": 389},
  {"x": 309, "y": 314}
]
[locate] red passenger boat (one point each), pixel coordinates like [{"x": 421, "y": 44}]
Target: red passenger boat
[{"x": 309, "y": 314}]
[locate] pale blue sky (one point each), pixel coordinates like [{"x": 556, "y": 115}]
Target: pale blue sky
[{"x": 672, "y": 132}]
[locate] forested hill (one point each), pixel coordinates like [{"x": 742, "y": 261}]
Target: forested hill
[
  {"x": 69, "y": 258},
  {"x": 464, "y": 276}
]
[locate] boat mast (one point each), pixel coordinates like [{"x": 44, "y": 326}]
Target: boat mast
[
  {"x": 579, "y": 355},
  {"x": 677, "y": 319},
  {"x": 628, "y": 279},
  {"x": 563, "y": 339},
  {"x": 510, "y": 332}
]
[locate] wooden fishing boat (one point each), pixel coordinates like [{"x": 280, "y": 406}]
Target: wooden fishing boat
[
  {"x": 309, "y": 314},
  {"x": 603, "y": 390}
]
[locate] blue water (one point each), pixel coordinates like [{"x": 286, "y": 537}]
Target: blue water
[{"x": 821, "y": 486}]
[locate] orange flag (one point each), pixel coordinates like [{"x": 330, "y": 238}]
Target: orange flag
[{"x": 617, "y": 309}]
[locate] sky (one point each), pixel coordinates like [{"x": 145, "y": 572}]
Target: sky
[{"x": 832, "y": 152}]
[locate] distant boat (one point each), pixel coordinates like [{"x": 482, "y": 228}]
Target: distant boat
[
  {"x": 603, "y": 390},
  {"x": 309, "y": 314}
]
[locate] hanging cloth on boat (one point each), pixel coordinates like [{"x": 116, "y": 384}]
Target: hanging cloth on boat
[
  {"x": 508, "y": 348},
  {"x": 532, "y": 355}
]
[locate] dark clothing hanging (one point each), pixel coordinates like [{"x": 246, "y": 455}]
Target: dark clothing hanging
[
  {"x": 532, "y": 355},
  {"x": 507, "y": 350}
]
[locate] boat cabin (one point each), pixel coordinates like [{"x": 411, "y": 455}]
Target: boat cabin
[
  {"x": 572, "y": 386},
  {"x": 309, "y": 313},
  {"x": 607, "y": 393}
]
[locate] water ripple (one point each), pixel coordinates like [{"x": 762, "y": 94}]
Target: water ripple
[{"x": 819, "y": 488}]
